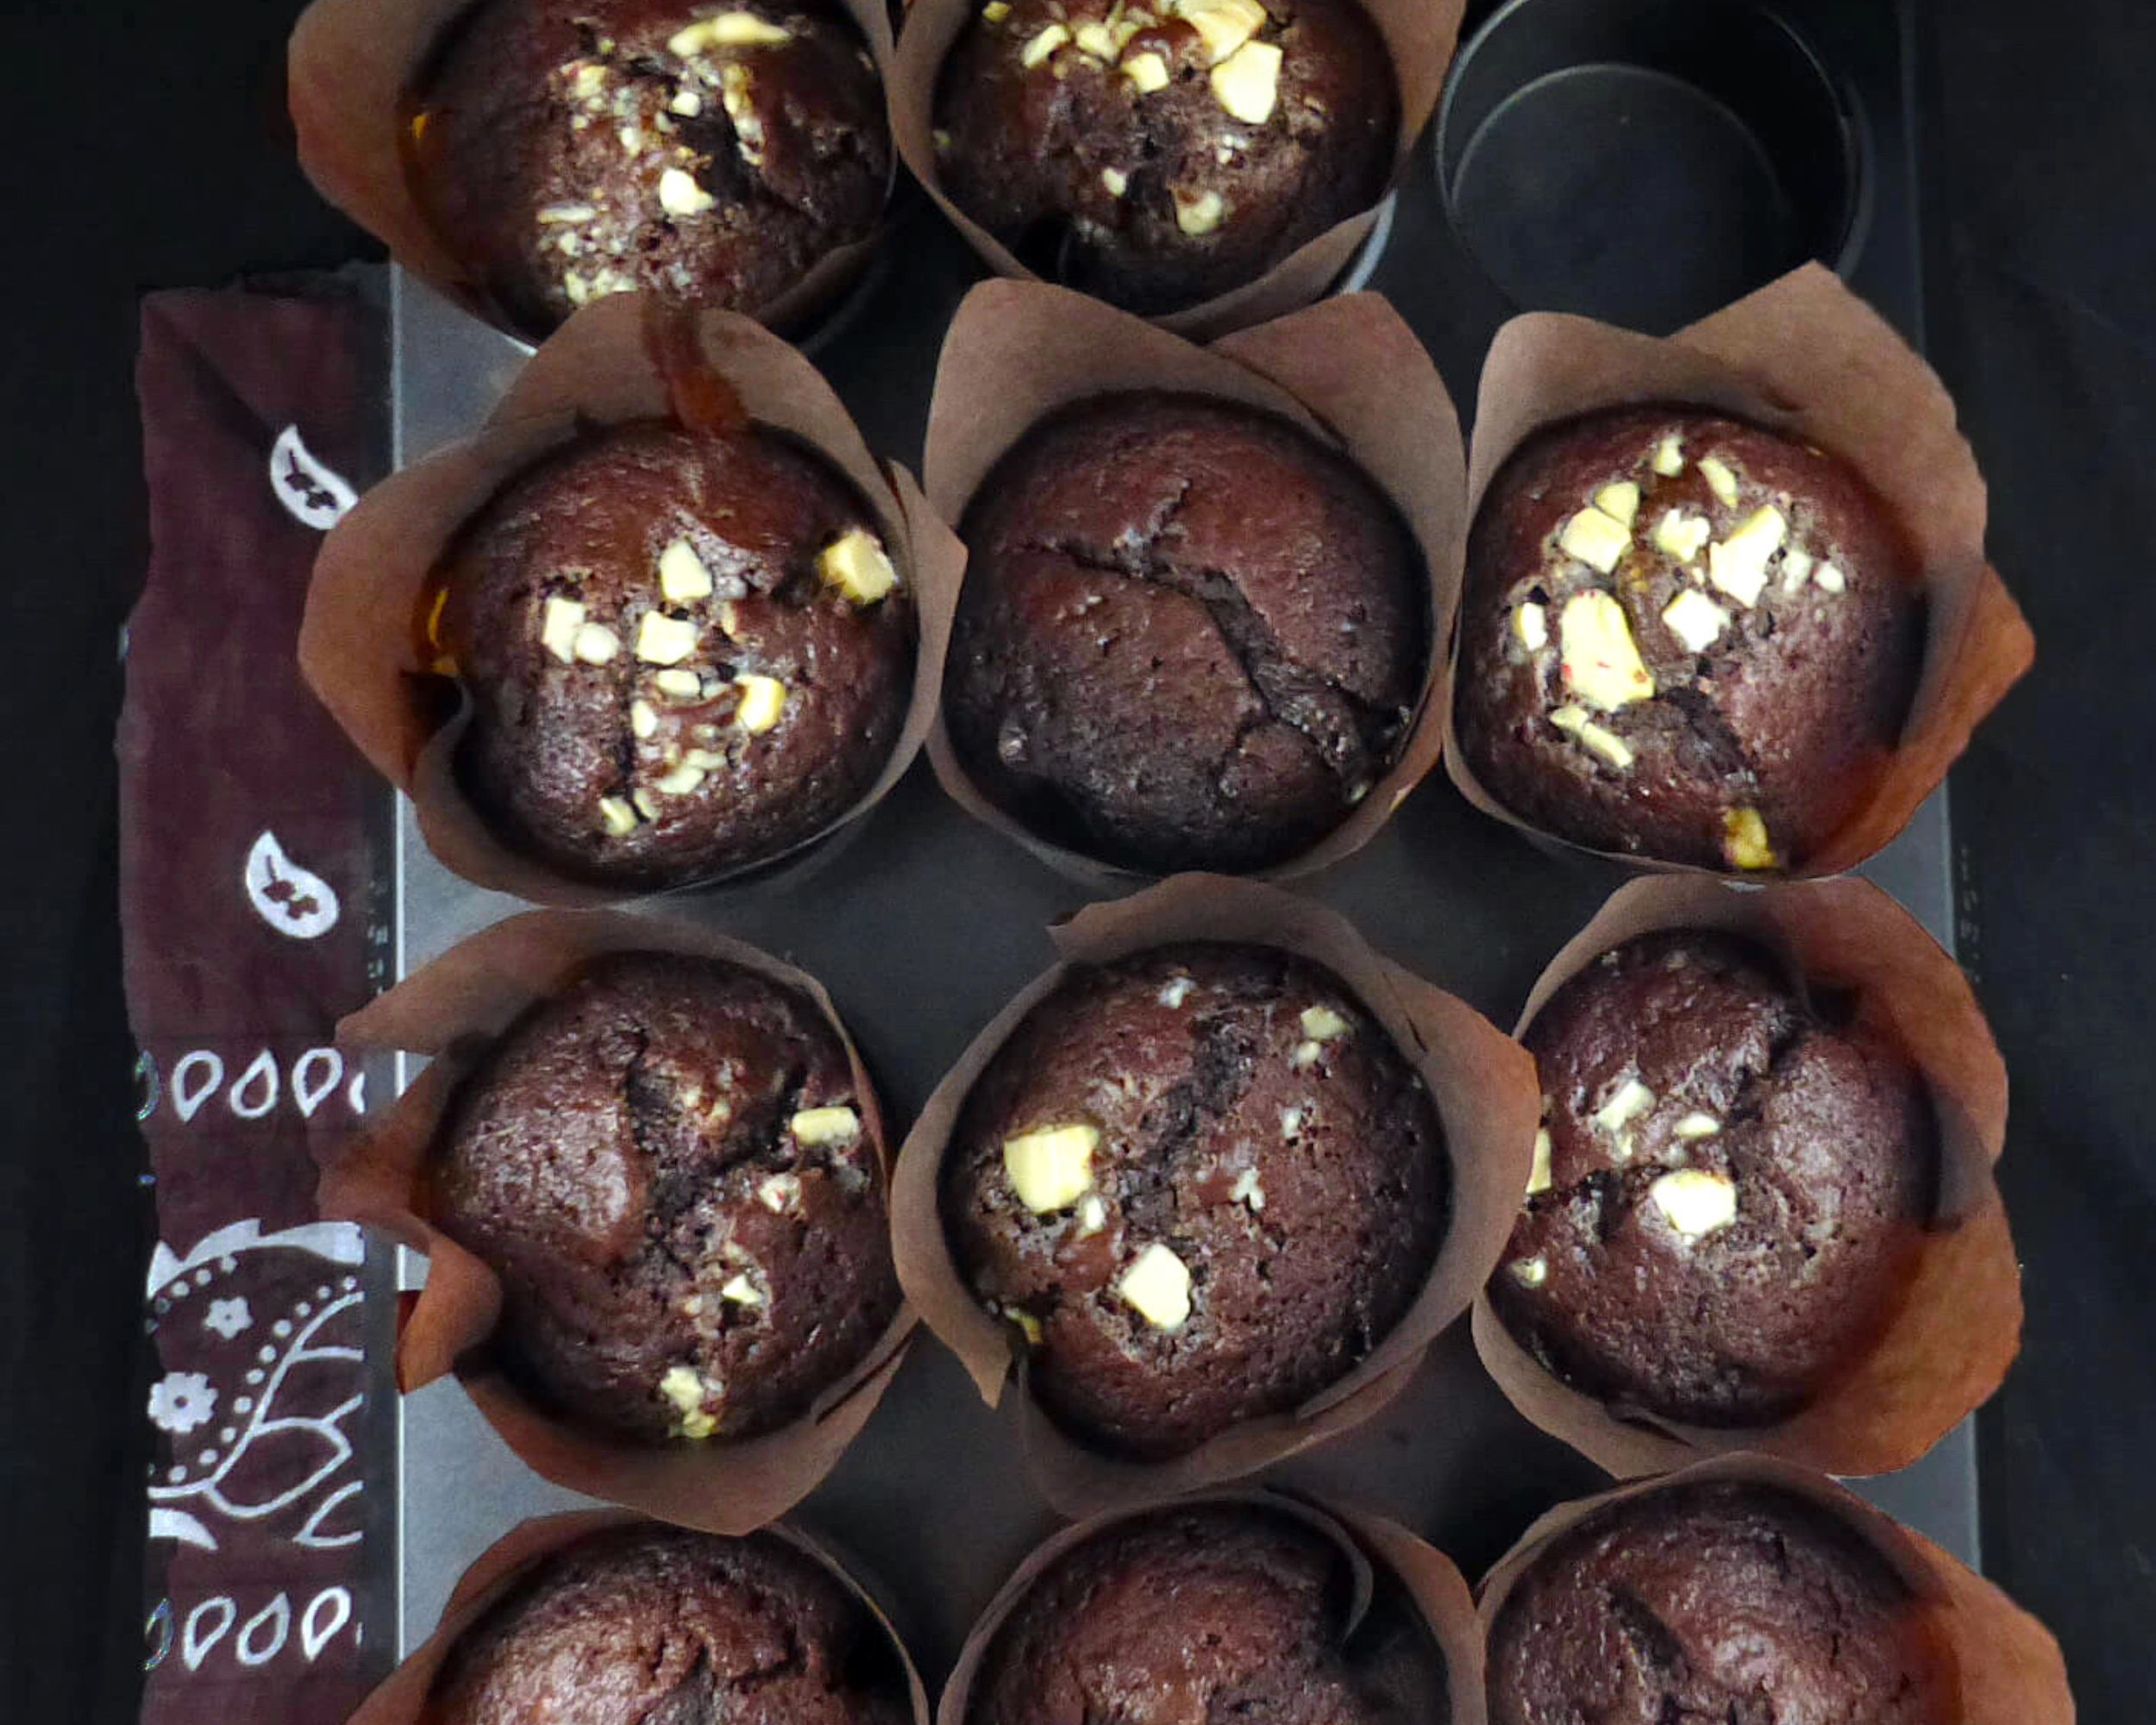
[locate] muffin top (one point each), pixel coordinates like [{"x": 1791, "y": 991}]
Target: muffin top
[
  {"x": 566, "y": 149},
  {"x": 1727, "y": 1190},
  {"x": 686, "y": 653},
  {"x": 1685, "y": 637},
  {"x": 1726, "y": 1601},
  {"x": 645, "y": 1625},
  {"x": 668, "y": 1168},
  {"x": 1201, "y": 1184},
  {"x": 1157, "y": 155},
  {"x": 1210, "y": 1612},
  {"x": 1190, "y": 636}
]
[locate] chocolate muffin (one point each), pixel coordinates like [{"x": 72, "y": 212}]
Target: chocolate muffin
[
  {"x": 1732, "y": 1600},
  {"x": 1200, "y": 1184},
  {"x": 1159, "y": 154},
  {"x": 646, "y": 1625},
  {"x": 684, "y": 654},
  {"x": 1210, "y": 1612},
  {"x": 1728, "y": 1190},
  {"x": 1685, "y": 637},
  {"x": 1190, "y": 636},
  {"x": 667, "y": 1166},
  {"x": 566, "y": 149}
]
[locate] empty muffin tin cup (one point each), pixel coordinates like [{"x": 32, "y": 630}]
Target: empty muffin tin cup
[{"x": 1646, "y": 163}]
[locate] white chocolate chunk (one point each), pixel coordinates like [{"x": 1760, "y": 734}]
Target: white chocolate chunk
[
  {"x": 1147, "y": 70},
  {"x": 1599, "y": 662},
  {"x": 1739, "y": 564},
  {"x": 1093, "y": 1216},
  {"x": 1530, "y": 623},
  {"x": 1247, "y": 82},
  {"x": 727, "y": 30},
  {"x": 1696, "y": 1125},
  {"x": 558, "y": 625},
  {"x": 741, "y": 1291},
  {"x": 1306, "y": 1055},
  {"x": 996, "y": 10},
  {"x": 1222, "y": 25},
  {"x": 1744, "y": 841},
  {"x": 1539, "y": 1177},
  {"x": 763, "y": 700},
  {"x": 1720, "y": 480},
  {"x": 1631, "y": 1100},
  {"x": 1679, "y": 536},
  {"x": 1198, "y": 215},
  {"x": 663, "y": 640},
  {"x": 1051, "y": 1168},
  {"x": 1695, "y": 1201},
  {"x": 681, "y": 685},
  {"x": 1322, "y": 1024},
  {"x": 1695, "y": 620},
  {"x": 1116, "y": 180},
  {"x": 1620, "y": 501},
  {"x": 682, "y": 577},
  {"x": 566, "y": 214},
  {"x": 1158, "y": 1287},
  {"x": 1044, "y": 43},
  {"x": 1829, "y": 579},
  {"x": 1668, "y": 457},
  {"x": 1530, "y": 1272},
  {"x": 681, "y": 781},
  {"x": 1596, "y": 539},
  {"x": 837, "y": 1124},
  {"x": 619, "y": 819},
  {"x": 1247, "y": 1191},
  {"x": 1797, "y": 564},
  {"x": 643, "y": 720},
  {"x": 596, "y": 645},
  {"x": 679, "y": 194},
  {"x": 1095, "y": 38},
  {"x": 780, "y": 1193},
  {"x": 857, "y": 565},
  {"x": 687, "y": 102},
  {"x": 1290, "y": 1122},
  {"x": 1175, "y": 991},
  {"x": 1606, "y": 742},
  {"x": 682, "y": 1387}
]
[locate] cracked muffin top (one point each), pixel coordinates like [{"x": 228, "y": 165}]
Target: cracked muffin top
[
  {"x": 566, "y": 149},
  {"x": 1728, "y": 1190},
  {"x": 1730, "y": 1601},
  {"x": 1200, "y": 1184},
  {"x": 1685, "y": 637},
  {"x": 686, "y": 653},
  {"x": 1211, "y": 1612},
  {"x": 646, "y": 1625},
  {"x": 668, "y": 1167},
  {"x": 1190, "y": 636},
  {"x": 1159, "y": 154}
]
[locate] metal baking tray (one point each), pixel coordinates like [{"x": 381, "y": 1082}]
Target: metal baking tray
[{"x": 925, "y": 923}]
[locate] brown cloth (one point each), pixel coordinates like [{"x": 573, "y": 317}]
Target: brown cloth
[{"x": 250, "y": 887}]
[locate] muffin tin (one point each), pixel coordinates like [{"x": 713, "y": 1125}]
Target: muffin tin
[{"x": 923, "y": 925}]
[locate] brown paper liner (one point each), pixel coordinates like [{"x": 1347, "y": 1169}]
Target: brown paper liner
[
  {"x": 1347, "y": 370},
  {"x": 1803, "y": 356},
  {"x": 1424, "y": 1574},
  {"x": 356, "y": 642},
  {"x": 348, "y": 67},
  {"x": 402, "y": 1697},
  {"x": 2010, "y": 1667},
  {"x": 453, "y": 1010},
  {"x": 1419, "y": 34},
  {"x": 1956, "y": 1328},
  {"x": 1481, "y": 1081}
]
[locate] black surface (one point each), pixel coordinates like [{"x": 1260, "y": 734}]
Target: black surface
[{"x": 145, "y": 149}]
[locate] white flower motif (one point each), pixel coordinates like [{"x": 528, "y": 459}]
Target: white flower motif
[
  {"x": 180, "y": 1401},
  {"x": 227, "y": 1318}
]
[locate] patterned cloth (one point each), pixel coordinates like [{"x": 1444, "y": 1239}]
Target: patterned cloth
[{"x": 249, "y": 852}]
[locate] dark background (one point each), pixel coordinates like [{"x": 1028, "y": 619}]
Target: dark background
[{"x": 145, "y": 147}]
